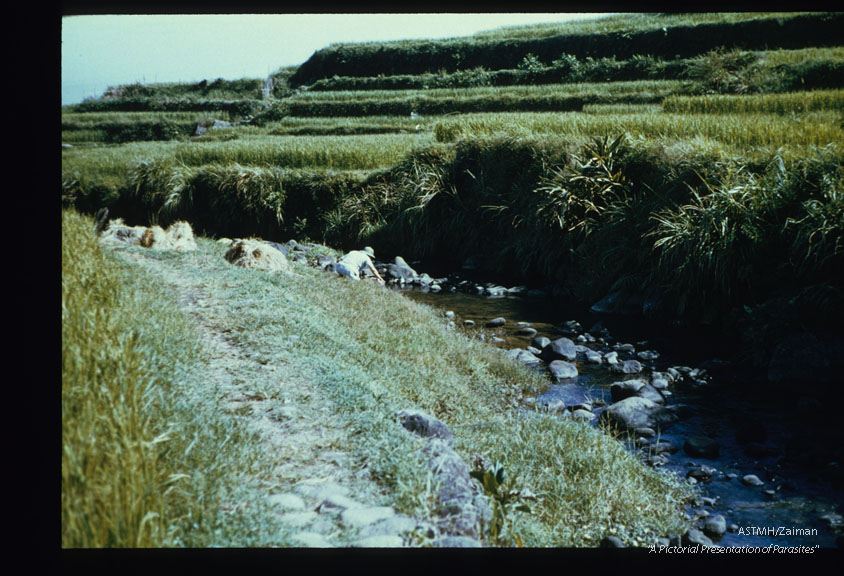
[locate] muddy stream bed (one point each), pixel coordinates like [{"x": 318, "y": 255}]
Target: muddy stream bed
[{"x": 778, "y": 438}]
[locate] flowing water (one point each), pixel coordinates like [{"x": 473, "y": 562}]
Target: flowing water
[{"x": 777, "y": 439}]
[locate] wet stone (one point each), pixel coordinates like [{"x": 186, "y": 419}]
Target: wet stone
[
  {"x": 701, "y": 447},
  {"x": 627, "y": 367},
  {"x": 496, "y": 322},
  {"x": 560, "y": 349},
  {"x": 751, "y": 480},
  {"x": 715, "y": 526},
  {"x": 561, "y": 370}
]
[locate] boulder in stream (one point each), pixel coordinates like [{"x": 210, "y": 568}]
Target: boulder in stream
[
  {"x": 636, "y": 412},
  {"x": 561, "y": 370},
  {"x": 560, "y": 349}
]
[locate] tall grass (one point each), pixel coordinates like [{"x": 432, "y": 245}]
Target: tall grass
[
  {"x": 740, "y": 133},
  {"x": 788, "y": 103},
  {"x": 149, "y": 457}
]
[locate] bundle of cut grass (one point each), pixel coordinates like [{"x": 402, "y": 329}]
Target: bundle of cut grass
[
  {"x": 179, "y": 236},
  {"x": 251, "y": 253}
]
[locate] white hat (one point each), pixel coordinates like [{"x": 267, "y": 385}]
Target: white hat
[{"x": 368, "y": 250}]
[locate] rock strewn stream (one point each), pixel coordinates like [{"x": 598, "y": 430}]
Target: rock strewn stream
[{"x": 768, "y": 467}]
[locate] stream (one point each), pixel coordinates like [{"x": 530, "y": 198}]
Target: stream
[{"x": 778, "y": 439}]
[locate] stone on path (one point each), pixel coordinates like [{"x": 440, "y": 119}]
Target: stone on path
[
  {"x": 287, "y": 501},
  {"x": 359, "y": 517},
  {"x": 386, "y": 541},
  {"x": 311, "y": 540},
  {"x": 456, "y": 542}
]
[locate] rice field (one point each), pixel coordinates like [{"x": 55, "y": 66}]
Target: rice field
[
  {"x": 741, "y": 134},
  {"x": 789, "y": 103},
  {"x": 587, "y": 89},
  {"x": 320, "y": 152}
]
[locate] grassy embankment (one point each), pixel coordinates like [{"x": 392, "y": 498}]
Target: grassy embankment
[{"x": 148, "y": 460}]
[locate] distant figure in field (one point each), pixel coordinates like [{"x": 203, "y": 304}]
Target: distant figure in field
[{"x": 352, "y": 264}]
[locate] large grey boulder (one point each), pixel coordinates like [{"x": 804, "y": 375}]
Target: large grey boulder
[
  {"x": 562, "y": 370},
  {"x": 636, "y": 412},
  {"x": 560, "y": 349},
  {"x": 523, "y": 356},
  {"x": 627, "y": 367}
]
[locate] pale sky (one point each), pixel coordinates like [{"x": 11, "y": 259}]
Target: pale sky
[{"x": 108, "y": 50}]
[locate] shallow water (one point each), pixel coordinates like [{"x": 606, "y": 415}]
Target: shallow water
[{"x": 803, "y": 494}]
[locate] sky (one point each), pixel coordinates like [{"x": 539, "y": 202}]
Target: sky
[{"x": 108, "y": 50}]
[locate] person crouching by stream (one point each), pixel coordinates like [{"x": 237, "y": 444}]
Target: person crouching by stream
[{"x": 355, "y": 262}]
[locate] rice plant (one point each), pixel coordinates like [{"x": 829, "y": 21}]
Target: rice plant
[{"x": 789, "y": 103}]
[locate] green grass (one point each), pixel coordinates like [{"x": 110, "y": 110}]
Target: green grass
[
  {"x": 789, "y": 103},
  {"x": 375, "y": 352},
  {"x": 114, "y": 163},
  {"x": 738, "y": 134},
  {"x": 144, "y": 464},
  {"x": 622, "y": 23}
]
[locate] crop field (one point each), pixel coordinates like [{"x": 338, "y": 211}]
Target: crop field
[
  {"x": 362, "y": 164},
  {"x": 693, "y": 158},
  {"x": 737, "y": 133}
]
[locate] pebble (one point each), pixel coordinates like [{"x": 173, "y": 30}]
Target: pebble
[
  {"x": 496, "y": 322},
  {"x": 468, "y": 322}
]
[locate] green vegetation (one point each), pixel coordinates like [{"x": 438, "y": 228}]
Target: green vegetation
[
  {"x": 671, "y": 38},
  {"x": 694, "y": 160},
  {"x": 144, "y": 464},
  {"x": 790, "y": 103},
  {"x": 397, "y": 355}
]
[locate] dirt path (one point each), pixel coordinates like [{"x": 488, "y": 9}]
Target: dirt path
[{"x": 317, "y": 490}]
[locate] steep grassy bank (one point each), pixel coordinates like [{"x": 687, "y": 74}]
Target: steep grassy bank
[
  {"x": 372, "y": 352},
  {"x": 650, "y": 35}
]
